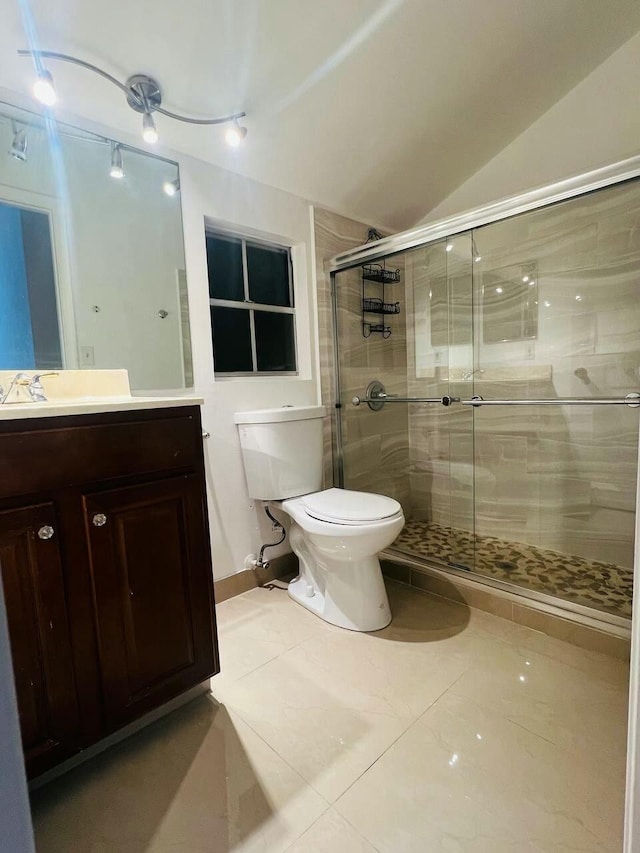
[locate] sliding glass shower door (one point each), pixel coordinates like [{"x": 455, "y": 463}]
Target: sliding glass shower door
[
  {"x": 512, "y": 441},
  {"x": 557, "y": 318}
]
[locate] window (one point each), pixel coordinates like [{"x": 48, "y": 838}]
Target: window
[{"x": 251, "y": 303}]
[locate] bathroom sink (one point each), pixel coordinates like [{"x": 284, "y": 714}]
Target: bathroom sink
[
  {"x": 68, "y": 385},
  {"x": 71, "y": 392}
]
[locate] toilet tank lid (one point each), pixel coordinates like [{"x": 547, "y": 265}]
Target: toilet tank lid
[
  {"x": 347, "y": 507},
  {"x": 283, "y": 413}
]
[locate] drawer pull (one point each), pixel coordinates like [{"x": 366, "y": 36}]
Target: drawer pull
[
  {"x": 99, "y": 519},
  {"x": 46, "y": 532}
]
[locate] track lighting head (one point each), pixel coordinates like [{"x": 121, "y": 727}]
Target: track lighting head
[
  {"x": 43, "y": 88},
  {"x": 171, "y": 187},
  {"x": 117, "y": 169},
  {"x": 149, "y": 131},
  {"x": 18, "y": 148},
  {"x": 235, "y": 134}
]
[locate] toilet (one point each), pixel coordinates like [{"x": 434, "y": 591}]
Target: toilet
[{"x": 335, "y": 533}]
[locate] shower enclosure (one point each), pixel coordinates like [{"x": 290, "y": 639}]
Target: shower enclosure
[{"x": 488, "y": 378}]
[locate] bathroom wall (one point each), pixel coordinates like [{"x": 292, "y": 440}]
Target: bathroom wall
[
  {"x": 561, "y": 478},
  {"x": 375, "y": 444},
  {"x": 238, "y": 526},
  {"x": 596, "y": 123}
]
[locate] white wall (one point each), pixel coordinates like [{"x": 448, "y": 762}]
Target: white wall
[
  {"x": 597, "y": 123},
  {"x": 237, "y": 526}
]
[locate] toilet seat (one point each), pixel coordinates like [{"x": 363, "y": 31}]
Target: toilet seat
[{"x": 341, "y": 506}]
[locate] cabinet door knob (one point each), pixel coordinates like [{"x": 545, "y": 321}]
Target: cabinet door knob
[
  {"x": 99, "y": 519},
  {"x": 46, "y": 532}
]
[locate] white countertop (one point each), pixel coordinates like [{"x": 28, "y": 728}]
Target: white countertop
[{"x": 91, "y": 406}]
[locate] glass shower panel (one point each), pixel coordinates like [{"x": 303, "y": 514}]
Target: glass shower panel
[
  {"x": 458, "y": 419},
  {"x": 427, "y": 532},
  {"x": 420, "y": 453},
  {"x": 375, "y": 444},
  {"x": 557, "y": 316}
]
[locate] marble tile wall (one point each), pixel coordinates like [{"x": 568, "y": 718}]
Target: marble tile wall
[
  {"x": 376, "y": 444},
  {"x": 559, "y": 478}
]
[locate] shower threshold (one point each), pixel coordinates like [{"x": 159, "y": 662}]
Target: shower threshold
[{"x": 597, "y": 590}]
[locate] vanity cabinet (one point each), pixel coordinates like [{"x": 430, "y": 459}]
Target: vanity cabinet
[
  {"x": 106, "y": 567},
  {"x": 31, "y": 565}
]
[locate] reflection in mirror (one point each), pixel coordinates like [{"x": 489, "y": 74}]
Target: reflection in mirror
[
  {"x": 29, "y": 325},
  {"x": 510, "y": 303},
  {"x": 91, "y": 255}
]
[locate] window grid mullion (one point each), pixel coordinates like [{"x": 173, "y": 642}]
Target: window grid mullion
[
  {"x": 245, "y": 271},
  {"x": 254, "y": 349}
]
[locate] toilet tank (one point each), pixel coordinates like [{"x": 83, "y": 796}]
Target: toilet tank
[{"x": 282, "y": 450}]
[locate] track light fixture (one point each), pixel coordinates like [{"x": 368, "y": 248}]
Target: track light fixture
[
  {"x": 143, "y": 95},
  {"x": 43, "y": 88},
  {"x": 18, "y": 148},
  {"x": 171, "y": 187},
  {"x": 235, "y": 134},
  {"x": 117, "y": 169},
  {"x": 149, "y": 130}
]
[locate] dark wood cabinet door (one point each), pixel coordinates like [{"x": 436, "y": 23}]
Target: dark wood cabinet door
[
  {"x": 151, "y": 574},
  {"x": 33, "y": 585}
]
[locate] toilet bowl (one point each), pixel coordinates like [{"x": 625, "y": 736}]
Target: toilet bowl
[{"x": 335, "y": 533}]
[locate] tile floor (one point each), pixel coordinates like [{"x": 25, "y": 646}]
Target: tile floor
[
  {"x": 451, "y": 730},
  {"x": 592, "y": 583}
]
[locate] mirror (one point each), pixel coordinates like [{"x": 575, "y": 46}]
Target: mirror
[
  {"x": 510, "y": 303},
  {"x": 92, "y": 269}
]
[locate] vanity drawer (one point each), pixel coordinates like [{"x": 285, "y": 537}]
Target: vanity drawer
[{"x": 39, "y": 457}]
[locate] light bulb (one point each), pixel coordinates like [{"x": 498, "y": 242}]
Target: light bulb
[
  {"x": 477, "y": 258},
  {"x": 498, "y": 290},
  {"x": 149, "y": 132},
  {"x": 235, "y": 134},
  {"x": 117, "y": 169},
  {"x": 525, "y": 278},
  {"x": 44, "y": 90},
  {"x": 448, "y": 247},
  {"x": 171, "y": 187}
]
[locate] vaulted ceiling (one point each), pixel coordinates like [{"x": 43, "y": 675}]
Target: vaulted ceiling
[{"x": 374, "y": 108}]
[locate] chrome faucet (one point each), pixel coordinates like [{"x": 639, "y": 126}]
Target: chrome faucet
[
  {"x": 32, "y": 384},
  {"x": 469, "y": 374}
]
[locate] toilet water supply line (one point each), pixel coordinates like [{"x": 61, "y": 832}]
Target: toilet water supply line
[{"x": 261, "y": 563}]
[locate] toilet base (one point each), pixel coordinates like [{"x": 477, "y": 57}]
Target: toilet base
[{"x": 354, "y": 594}]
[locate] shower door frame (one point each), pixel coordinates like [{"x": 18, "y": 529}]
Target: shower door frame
[{"x": 588, "y": 182}]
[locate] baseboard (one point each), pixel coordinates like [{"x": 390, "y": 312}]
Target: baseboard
[
  {"x": 605, "y": 639},
  {"x": 279, "y": 567}
]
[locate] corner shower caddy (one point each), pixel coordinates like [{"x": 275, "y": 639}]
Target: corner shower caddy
[{"x": 377, "y": 304}]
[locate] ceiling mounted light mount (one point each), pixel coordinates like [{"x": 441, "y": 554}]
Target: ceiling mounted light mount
[{"x": 142, "y": 92}]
